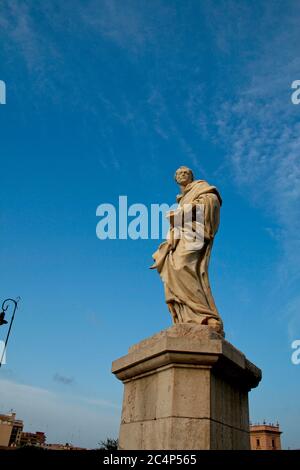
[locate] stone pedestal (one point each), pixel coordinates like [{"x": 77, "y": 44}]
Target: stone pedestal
[{"x": 185, "y": 388}]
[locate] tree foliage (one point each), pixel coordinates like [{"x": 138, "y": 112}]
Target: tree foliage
[{"x": 109, "y": 444}]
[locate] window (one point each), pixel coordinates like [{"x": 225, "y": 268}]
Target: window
[
  {"x": 273, "y": 444},
  {"x": 257, "y": 443}
]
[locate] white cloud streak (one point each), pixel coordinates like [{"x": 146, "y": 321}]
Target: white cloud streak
[{"x": 82, "y": 421}]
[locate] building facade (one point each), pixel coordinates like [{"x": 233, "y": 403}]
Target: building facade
[
  {"x": 10, "y": 430},
  {"x": 32, "y": 438},
  {"x": 265, "y": 437}
]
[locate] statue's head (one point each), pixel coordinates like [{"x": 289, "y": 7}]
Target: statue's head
[{"x": 183, "y": 176}]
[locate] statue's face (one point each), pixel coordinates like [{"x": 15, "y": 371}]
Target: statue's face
[{"x": 183, "y": 176}]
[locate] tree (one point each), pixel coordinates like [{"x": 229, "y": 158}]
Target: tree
[{"x": 109, "y": 444}]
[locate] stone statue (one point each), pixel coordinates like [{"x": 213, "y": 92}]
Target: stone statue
[{"x": 182, "y": 265}]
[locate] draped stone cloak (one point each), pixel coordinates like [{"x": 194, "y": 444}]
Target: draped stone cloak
[{"x": 183, "y": 267}]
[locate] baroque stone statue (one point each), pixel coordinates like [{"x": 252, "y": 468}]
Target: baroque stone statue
[{"x": 182, "y": 264}]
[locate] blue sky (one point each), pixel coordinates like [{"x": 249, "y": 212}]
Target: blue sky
[{"x": 108, "y": 98}]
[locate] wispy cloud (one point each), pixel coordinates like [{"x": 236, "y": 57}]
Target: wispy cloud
[
  {"x": 247, "y": 111},
  {"x": 262, "y": 133},
  {"x": 63, "y": 379},
  {"x": 63, "y": 417},
  {"x": 259, "y": 128},
  {"x": 129, "y": 24},
  {"x": 292, "y": 317},
  {"x": 22, "y": 36},
  {"x": 138, "y": 31},
  {"x": 101, "y": 403}
]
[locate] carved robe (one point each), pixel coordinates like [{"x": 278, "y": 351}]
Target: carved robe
[{"x": 183, "y": 267}]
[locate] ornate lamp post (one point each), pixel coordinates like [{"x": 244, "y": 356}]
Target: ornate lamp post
[{"x": 5, "y": 305}]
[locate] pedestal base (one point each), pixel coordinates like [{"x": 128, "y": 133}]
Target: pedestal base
[{"x": 185, "y": 388}]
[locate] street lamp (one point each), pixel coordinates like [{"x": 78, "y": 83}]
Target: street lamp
[{"x": 5, "y": 305}]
